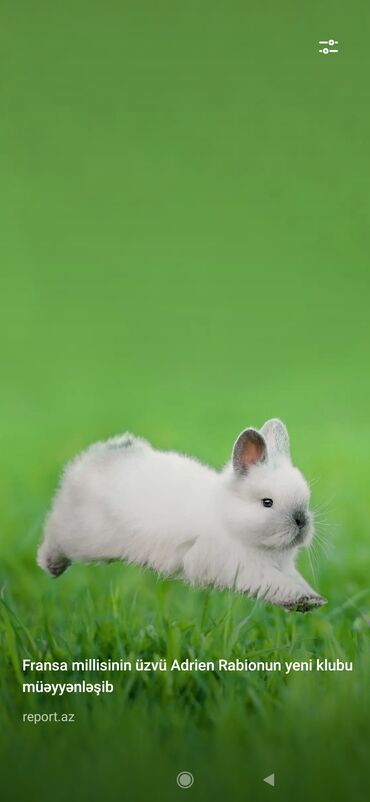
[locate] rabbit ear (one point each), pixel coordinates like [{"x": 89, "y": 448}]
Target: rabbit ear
[
  {"x": 276, "y": 435},
  {"x": 249, "y": 449}
]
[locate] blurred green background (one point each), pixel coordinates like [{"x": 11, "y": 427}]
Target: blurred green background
[{"x": 184, "y": 251}]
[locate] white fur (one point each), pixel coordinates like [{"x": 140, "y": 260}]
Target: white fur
[{"x": 124, "y": 500}]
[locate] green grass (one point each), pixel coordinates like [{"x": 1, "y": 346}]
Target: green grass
[
  {"x": 230, "y": 729},
  {"x": 184, "y": 252}
]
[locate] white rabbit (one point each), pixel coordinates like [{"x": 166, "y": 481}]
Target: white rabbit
[{"x": 239, "y": 528}]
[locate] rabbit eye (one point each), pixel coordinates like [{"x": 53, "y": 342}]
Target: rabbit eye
[{"x": 267, "y": 502}]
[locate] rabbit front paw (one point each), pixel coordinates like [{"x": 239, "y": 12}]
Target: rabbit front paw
[{"x": 304, "y": 603}]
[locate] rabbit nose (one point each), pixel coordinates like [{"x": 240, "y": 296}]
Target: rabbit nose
[{"x": 300, "y": 518}]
